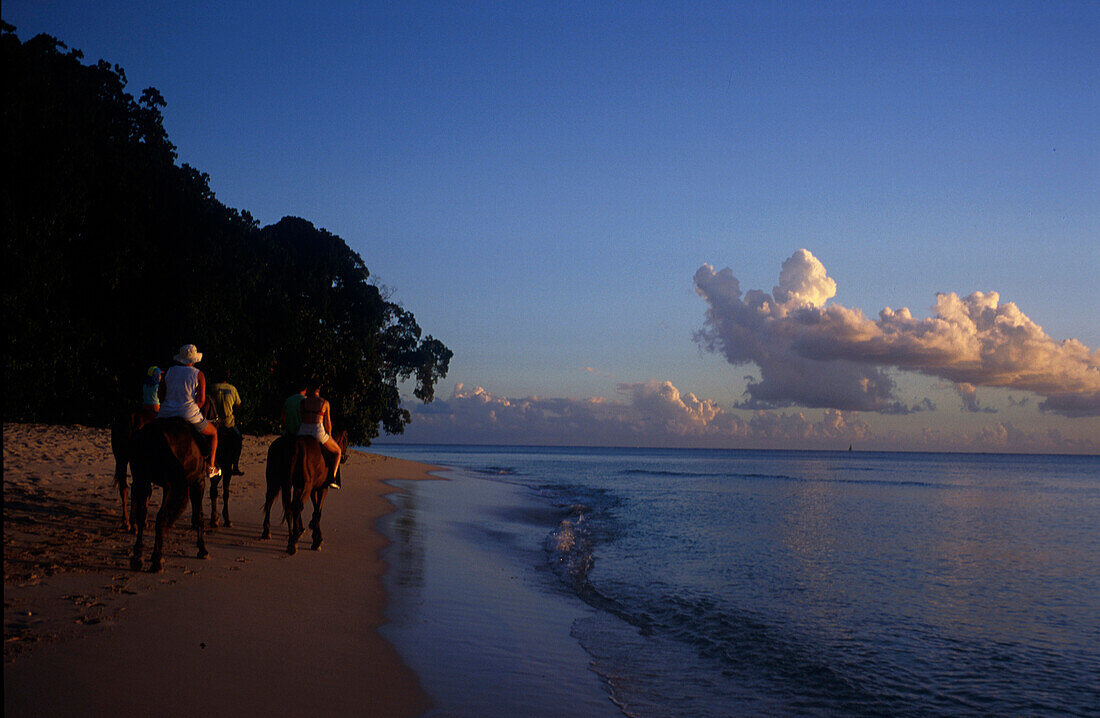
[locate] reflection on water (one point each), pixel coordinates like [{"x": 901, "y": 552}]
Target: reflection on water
[
  {"x": 406, "y": 557},
  {"x": 809, "y": 583},
  {"x": 487, "y": 632}
]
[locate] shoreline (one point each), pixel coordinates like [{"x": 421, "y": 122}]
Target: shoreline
[{"x": 250, "y": 629}]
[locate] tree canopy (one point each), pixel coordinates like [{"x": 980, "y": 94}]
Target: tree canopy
[{"x": 115, "y": 256}]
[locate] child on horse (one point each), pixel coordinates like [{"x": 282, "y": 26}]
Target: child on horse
[{"x": 150, "y": 399}]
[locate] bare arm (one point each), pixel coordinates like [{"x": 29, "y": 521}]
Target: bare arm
[
  {"x": 200, "y": 394},
  {"x": 326, "y": 419}
]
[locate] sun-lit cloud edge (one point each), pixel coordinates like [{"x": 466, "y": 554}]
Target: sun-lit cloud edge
[{"x": 811, "y": 353}]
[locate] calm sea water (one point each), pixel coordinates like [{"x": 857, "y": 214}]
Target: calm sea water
[{"x": 718, "y": 583}]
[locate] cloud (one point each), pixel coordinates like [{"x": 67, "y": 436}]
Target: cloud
[
  {"x": 656, "y": 413},
  {"x": 814, "y": 355},
  {"x": 1004, "y": 437},
  {"x": 969, "y": 396},
  {"x": 653, "y": 413}
]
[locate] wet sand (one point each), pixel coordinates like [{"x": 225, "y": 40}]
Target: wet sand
[{"x": 248, "y": 631}]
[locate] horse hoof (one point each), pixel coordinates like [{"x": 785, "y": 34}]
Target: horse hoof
[
  {"x": 265, "y": 536},
  {"x": 135, "y": 564},
  {"x": 292, "y": 550},
  {"x": 228, "y": 524},
  {"x": 156, "y": 567},
  {"x": 316, "y": 547},
  {"x": 213, "y": 524},
  {"x": 203, "y": 553}
]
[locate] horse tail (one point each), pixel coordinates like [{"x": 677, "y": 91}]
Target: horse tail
[
  {"x": 297, "y": 477},
  {"x": 121, "y": 435}
]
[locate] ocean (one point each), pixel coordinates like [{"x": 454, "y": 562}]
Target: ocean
[{"x": 658, "y": 582}]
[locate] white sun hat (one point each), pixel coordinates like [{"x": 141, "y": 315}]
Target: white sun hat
[{"x": 189, "y": 354}]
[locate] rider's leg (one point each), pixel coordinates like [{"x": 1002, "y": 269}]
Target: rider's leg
[
  {"x": 332, "y": 446},
  {"x": 211, "y": 431}
]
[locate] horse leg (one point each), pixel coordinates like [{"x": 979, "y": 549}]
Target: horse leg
[
  {"x": 213, "y": 502},
  {"x": 196, "y": 516},
  {"x": 225, "y": 499},
  {"x": 145, "y": 508},
  {"x": 318, "y": 498},
  {"x": 123, "y": 492},
  {"x": 269, "y": 499},
  {"x": 140, "y": 507},
  {"x": 172, "y": 505},
  {"x": 295, "y": 519}
]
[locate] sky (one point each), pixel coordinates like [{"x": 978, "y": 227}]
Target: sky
[{"x": 773, "y": 225}]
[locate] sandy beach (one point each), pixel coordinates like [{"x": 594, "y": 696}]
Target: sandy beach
[{"x": 248, "y": 631}]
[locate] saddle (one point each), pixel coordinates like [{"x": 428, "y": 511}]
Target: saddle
[
  {"x": 328, "y": 455},
  {"x": 201, "y": 439}
]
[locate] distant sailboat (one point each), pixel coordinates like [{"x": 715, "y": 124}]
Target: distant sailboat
[{"x": 849, "y": 447}]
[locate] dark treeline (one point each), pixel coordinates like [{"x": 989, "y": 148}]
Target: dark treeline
[{"x": 114, "y": 256}]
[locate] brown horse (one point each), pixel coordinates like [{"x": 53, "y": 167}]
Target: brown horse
[
  {"x": 296, "y": 468},
  {"x": 279, "y": 455},
  {"x": 166, "y": 453},
  {"x": 123, "y": 429}
]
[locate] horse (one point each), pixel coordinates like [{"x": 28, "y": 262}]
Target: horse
[
  {"x": 228, "y": 457},
  {"x": 277, "y": 472},
  {"x": 297, "y": 467},
  {"x": 166, "y": 452},
  {"x": 127, "y": 424},
  {"x": 123, "y": 429}
]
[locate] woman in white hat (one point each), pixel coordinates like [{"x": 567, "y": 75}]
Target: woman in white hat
[{"x": 185, "y": 392}]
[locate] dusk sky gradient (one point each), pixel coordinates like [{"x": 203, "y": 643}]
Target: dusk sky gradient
[{"x": 540, "y": 183}]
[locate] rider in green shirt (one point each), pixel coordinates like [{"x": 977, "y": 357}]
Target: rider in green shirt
[{"x": 292, "y": 412}]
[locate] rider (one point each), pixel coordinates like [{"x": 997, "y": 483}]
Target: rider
[
  {"x": 292, "y": 411},
  {"x": 227, "y": 399},
  {"x": 317, "y": 422},
  {"x": 185, "y": 392},
  {"x": 150, "y": 399}
]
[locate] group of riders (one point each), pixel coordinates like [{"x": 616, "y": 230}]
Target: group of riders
[{"x": 181, "y": 392}]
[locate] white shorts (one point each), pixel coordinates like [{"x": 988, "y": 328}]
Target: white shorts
[{"x": 315, "y": 430}]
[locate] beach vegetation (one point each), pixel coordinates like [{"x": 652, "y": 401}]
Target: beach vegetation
[{"x": 115, "y": 255}]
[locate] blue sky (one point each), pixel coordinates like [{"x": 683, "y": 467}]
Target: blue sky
[{"x": 540, "y": 182}]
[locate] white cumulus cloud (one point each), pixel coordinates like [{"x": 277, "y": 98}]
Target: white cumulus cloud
[{"x": 814, "y": 354}]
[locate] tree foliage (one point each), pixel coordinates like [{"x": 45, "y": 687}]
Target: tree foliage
[{"x": 114, "y": 256}]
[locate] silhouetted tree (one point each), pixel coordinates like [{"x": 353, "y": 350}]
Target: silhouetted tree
[{"x": 114, "y": 256}]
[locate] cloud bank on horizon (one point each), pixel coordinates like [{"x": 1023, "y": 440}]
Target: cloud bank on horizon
[
  {"x": 656, "y": 413},
  {"x": 829, "y": 356}
]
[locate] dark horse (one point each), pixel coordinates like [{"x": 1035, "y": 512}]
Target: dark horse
[
  {"x": 126, "y": 426},
  {"x": 229, "y": 455},
  {"x": 296, "y": 468},
  {"x": 166, "y": 452},
  {"x": 122, "y": 435}
]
